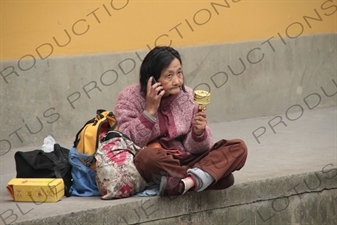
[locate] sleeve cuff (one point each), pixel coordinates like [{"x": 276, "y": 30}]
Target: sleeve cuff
[
  {"x": 201, "y": 137},
  {"x": 149, "y": 116}
]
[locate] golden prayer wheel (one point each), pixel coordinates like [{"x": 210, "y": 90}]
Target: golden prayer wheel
[{"x": 202, "y": 98}]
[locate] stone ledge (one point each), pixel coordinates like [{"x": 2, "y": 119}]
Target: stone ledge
[
  {"x": 307, "y": 198},
  {"x": 295, "y": 165}
]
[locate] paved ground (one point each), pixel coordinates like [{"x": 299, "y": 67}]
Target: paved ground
[{"x": 299, "y": 143}]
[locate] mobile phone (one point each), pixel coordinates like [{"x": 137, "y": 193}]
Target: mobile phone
[{"x": 153, "y": 80}]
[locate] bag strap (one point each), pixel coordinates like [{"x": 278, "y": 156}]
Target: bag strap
[
  {"x": 112, "y": 121},
  {"x": 113, "y": 134},
  {"x": 109, "y": 117},
  {"x": 60, "y": 152},
  {"x": 61, "y": 169},
  {"x": 58, "y": 165},
  {"x": 61, "y": 164}
]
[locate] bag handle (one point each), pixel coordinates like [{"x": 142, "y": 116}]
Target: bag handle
[
  {"x": 112, "y": 134},
  {"x": 59, "y": 165}
]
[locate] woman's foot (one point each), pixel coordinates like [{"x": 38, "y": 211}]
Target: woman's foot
[
  {"x": 223, "y": 183},
  {"x": 171, "y": 186}
]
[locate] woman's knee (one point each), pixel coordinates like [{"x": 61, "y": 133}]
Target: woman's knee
[
  {"x": 145, "y": 163},
  {"x": 243, "y": 146},
  {"x": 145, "y": 156},
  {"x": 239, "y": 147}
]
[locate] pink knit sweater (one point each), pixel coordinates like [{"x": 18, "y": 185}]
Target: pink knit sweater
[{"x": 173, "y": 125}]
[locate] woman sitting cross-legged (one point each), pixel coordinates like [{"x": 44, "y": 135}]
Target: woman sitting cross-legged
[{"x": 159, "y": 114}]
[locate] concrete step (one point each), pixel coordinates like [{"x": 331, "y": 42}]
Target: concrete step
[{"x": 290, "y": 178}]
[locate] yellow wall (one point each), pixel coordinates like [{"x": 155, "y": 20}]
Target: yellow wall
[{"x": 114, "y": 26}]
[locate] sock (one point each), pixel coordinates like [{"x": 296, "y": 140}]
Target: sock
[
  {"x": 203, "y": 179},
  {"x": 194, "y": 181},
  {"x": 185, "y": 190}
]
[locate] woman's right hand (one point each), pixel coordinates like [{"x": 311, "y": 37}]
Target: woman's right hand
[{"x": 153, "y": 96}]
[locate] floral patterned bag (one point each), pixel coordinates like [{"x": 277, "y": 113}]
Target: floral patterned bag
[{"x": 117, "y": 176}]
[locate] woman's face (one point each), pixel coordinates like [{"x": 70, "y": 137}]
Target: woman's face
[{"x": 172, "y": 78}]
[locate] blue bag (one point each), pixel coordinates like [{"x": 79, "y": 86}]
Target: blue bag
[{"x": 84, "y": 178}]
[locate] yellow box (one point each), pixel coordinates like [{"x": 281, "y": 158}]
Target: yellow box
[{"x": 36, "y": 189}]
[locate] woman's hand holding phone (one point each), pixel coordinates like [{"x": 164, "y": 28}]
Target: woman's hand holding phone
[
  {"x": 153, "y": 96},
  {"x": 154, "y": 82}
]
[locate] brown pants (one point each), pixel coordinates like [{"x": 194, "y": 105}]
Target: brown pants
[{"x": 222, "y": 159}]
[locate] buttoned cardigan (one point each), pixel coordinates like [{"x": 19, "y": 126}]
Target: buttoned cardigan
[{"x": 171, "y": 126}]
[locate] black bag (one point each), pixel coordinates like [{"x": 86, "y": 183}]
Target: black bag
[{"x": 39, "y": 164}]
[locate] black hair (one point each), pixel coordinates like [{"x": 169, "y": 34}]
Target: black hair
[{"x": 154, "y": 62}]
